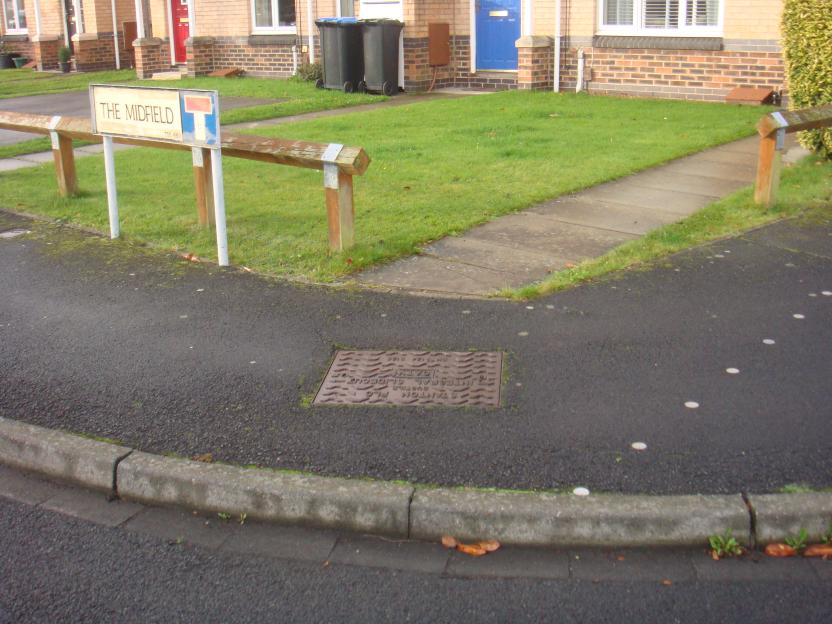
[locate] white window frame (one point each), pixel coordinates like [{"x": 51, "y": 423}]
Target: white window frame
[
  {"x": 18, "y": 4},
  {"x": 637, "y": 28},
  {"x": 272, "y": 30}
]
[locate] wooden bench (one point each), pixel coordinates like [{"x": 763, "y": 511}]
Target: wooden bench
[{"x": 339, "y": 164}]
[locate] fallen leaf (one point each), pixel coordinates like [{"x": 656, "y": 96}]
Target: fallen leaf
[
  {"x": 667, "y": 582},
  {"x": 620, "y": 558},
  {"x": 818, "y": 550},
  {"x": 714, "y": 555},
  {"x": 449, "y": 542},
  {"x": 204, "y": 457},
  {"x": 471, "y": 549},
  {"x": 569, "y": 265},
  {"x": 489, "y": 545},
  {"x": 780, "y": 550}
]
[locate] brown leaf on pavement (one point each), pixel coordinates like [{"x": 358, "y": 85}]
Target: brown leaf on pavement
[
  {"x": 489, "y": 545},
  {"x": 818, "y": 550},
  {"x": 204, "y": 457},
  {"x": 780, "y": 550},
  {"x": 475, "y": 550},
  {"x": 667, "y": 582},
  {"x": 449, "y": 542}
]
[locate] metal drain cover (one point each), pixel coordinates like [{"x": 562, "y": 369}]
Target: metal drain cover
[{"x": 455, "y": 378}]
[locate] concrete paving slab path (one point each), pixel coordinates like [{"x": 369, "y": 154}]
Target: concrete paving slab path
[{"x": 517, "y": 249}]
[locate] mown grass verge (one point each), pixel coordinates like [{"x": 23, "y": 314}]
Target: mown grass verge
[
  {"x": 805, "y": 191},
  {"x": 438, "y": 168}
]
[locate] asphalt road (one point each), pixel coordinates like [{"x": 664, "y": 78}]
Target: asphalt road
[
  {"x": 169, "y": 356},
  {"x": 56, "y": 568}
]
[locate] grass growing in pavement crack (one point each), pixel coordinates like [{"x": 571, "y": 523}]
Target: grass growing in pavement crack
[{"x": 805, "y": 192}]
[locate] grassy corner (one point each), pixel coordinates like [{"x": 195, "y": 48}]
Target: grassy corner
[{"x": 805, "y": 192}]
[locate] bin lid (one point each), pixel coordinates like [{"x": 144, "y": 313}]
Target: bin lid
[{"x": 383, "y": 21}]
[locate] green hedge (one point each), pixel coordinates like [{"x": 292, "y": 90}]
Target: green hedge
[{"x": 807, "y": 47}]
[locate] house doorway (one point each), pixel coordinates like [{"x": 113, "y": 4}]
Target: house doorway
[
  {"x": 181, "y": 28},
  {"x": 498, "y": 28}
]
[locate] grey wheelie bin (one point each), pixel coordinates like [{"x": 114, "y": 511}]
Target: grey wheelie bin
[
  {"x": 341, "y": 52},
  {"x": 381, "y": 55}
]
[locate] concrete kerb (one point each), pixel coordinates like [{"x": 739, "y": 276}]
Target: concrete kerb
[{"x": 407, "y": 511}]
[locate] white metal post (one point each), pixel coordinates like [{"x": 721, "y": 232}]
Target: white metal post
[
  {"x": 219, "y": 206},
  {"x": 115, "y": 34},
  {"x": 140, "y": 20},
  {"x": 110, "y": 174},
  {"x": 310, "y": 26}
]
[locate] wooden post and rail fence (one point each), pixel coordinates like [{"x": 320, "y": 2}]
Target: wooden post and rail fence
[
  {"x": 773, "y": 129},
  {"x": 339, "y": 164}
]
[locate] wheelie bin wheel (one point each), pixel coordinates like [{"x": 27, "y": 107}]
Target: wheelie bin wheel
[
  {"x": 319, "y": 84},
  {"x": 388, "y": 89},
  {"x": 362, "y": 87},
  {"x": 348, "y": 87}
]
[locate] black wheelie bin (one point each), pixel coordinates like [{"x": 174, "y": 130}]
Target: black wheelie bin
[
  {"x": 341, "y": 53},
  {"x": 381, "y": 55}
]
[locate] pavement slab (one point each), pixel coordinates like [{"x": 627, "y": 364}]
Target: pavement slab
[
  {"x": 177, "y": 525},
  {"x": 628, "y": 192},
  {"x": 92, "y": 506},
  {"x": 511, "y": 563},
  {"x": 397, "y": 554},
  {"x": 605, "y": 214}
]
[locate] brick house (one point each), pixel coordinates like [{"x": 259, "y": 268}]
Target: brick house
[
  {"x": 38, "y": 28},
  {"x": 694, "y": 49}
]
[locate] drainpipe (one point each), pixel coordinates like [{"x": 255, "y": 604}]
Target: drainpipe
[
  {"x": 580, "y": 85},
  {"x": 37, "y": 19},
  {"x": 311, "y": 39},
  {"x": 191, "y": 19},
  {"x": 556, "y": 68},
  {"x": 115, "y": 34}
]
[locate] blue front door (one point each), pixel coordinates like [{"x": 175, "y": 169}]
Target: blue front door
[{"x": 498, "y": 27}]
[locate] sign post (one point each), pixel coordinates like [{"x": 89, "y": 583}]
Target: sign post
[{"x": 184, "y": 116}]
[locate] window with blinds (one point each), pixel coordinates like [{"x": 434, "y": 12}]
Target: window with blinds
[{"x": 653, "y": 16}]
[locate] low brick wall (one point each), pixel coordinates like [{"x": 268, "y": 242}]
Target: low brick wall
[
  {"x": 152, "y": 55},
  {"x": 678, "y": 74},
  {"x": 95, "y": 52}
]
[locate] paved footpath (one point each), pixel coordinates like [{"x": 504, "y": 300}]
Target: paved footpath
[{"x": 103, "y": 338}]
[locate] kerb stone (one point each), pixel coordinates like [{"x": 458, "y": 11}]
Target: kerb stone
[
  {"x": 783, "y": 515},
  {"x": 565, "y": 520},
  {"x": 60, "y": 455},
  {"x": 266, "y": 495}
]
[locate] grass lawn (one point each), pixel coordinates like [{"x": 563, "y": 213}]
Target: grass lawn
[
  {"x": 297, "y": 96},
  {"x": 439, "y": 167},
  {"x": 805, "y": 191}
]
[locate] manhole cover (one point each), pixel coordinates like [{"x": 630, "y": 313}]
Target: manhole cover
[
  {"x": 13, "y": 233},
  {"x": 455, "y": 378}
]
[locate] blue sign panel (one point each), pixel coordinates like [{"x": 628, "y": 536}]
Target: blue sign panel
[{"x": 200, "y": 118}]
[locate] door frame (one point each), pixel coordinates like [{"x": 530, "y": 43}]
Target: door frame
[{"x": 525, "y": 28}]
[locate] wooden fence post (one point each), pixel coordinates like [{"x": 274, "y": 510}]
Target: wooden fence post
[
  {"x": 64, "y": 161},
  {"x": 203, "y": 185},
  {"x": 339, "y": 206},
  {"x": 768, "y": 169}
]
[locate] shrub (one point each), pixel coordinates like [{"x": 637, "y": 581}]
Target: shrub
[
  {"x": 807, "y": 48},
  {"x": 310, "y": 72},
  {"x": 64, "y": 54}
]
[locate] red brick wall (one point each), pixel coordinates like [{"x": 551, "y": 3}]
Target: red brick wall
[
  {"x": 99, "y": 53},
  {"x": 682, "y": 74},
  {"x": 418, "y": 74},
  {"x": 46, "y": 53},
  {"x": 273, "y": 60},
  {"x": 534, "y": 68},
  {"x": 152, "y": 55}
]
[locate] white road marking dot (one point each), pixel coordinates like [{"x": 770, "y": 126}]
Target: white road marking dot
[
  {"x": 253, "y": 362},
  {"x": 732, "y": 371},
  {"x": 183, "y": 316},
  {"x": 530, "y": 307},
  {"x": 768, "y": 341},
  {"x": 519, "y": 385},
  {"x": 827, "y": 293},
  {"x": 466, "y": 311},
  {"x": 522, "y": 333},
  {"x": 813, "y": 294},
  {"x": 691, "y": 404},
  {"x": 200, "y": 290},
  {"x": 550, "y": 306},
  {"x": 718, "y": 256},
  {"x": 727, "y": 251},
  {"x": 798, "y": 316},
  {"x": 580, "y": 491},
  {"x": 639, "y": 446},
  {"x": 383, "y": 315},
  {"x": 132, "y": 274}
]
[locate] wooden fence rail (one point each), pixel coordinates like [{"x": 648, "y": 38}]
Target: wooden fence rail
[
  {"x": 773, "y": 129},
  {"x": 339, "y": 163}
]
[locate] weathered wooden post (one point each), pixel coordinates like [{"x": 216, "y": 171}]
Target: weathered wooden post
[
  {"x": 203, "y": 185},
  {"x": 769, "y": 163},
  {"x": 64, "y": 159},
  {"x": 339, "y": 206}
]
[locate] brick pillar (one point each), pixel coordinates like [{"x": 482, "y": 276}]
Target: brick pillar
[
  {"x": 45, "y": 51},
  {"x": 149, "y": 57},
  {"x": 417, "y": 71},
  {"x": 199, "y": 55},
  {"x": 94, "y": 51},
  {"x": 534, "y": 62}
]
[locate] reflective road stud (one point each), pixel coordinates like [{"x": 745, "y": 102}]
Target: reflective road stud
[{"x": 110, "y": 174}]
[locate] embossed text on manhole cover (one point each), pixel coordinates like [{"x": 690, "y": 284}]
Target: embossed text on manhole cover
[{"x": 456, "y": 378}]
